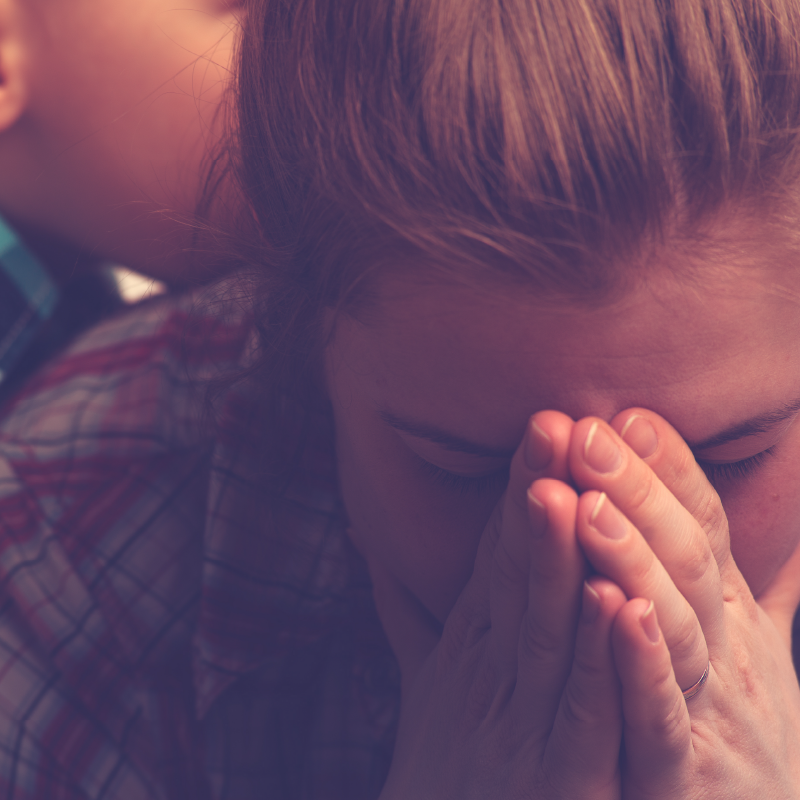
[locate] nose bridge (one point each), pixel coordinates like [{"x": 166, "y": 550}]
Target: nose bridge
[{"x": 606, "y": 403}]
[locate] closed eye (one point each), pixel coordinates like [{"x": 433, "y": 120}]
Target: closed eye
[
  {"x": 735, "y": 470},
  {"x": 464, "y": 484}
]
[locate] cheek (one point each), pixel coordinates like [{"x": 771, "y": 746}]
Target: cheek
[
  {"x": 764, "y": 518},
  {"x": 128, "y": 141},
  {"x": 424, "y": 536}
]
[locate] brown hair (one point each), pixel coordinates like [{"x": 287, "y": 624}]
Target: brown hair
[{"x": 544, "y": 140}]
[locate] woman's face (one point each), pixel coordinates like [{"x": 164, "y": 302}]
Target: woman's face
[
  {"x": 121, "y": 106},
  {"x": 432, "y": 393}
]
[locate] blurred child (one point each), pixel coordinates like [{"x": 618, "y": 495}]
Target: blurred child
[
  {"x": 108, "y": 113},
  {"x": 501, "y": 497}
]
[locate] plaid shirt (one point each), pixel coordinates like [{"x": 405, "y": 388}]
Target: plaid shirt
[{"x": 168, "y": 627}]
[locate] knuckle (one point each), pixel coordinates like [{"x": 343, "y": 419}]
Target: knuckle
[
  {"x": 508, "y": 571},
  {"x": 710, "y": 514},
  {"x": 576, "y": 706},
  {"x": 681, "y": 464},
  {"x": 461, "y": 633},
  {"x": 749, "y": 675},
  {"x": 588, "y": 671},
  {"x": 668, "y": 727},
  {"x": 711, "y": 517},
  {"x": 688, "y": 641},
  {"x": 639, "y": 495},
  {"x": 739, "y": 594},
  {"x": 539, "y": 643},
  {"x": 698, "y": 566},
  {"x": 588, "y": 680}
]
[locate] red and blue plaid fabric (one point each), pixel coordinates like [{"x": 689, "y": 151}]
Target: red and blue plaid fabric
[{"x": 168, "y": 627}]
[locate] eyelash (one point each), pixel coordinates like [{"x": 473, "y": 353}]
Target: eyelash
[
  {"x": 736, "y": 470},
  {"x": 461, "y": 484}
]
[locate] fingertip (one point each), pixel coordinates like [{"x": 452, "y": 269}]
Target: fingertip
[
  {"x": 640, "y": 435},
  {"x": 589, "y": 717},
  {"x": 648, "y": 622},
  {"x": 657, "y": 726},
  {"x": 591, "y": 603},
  {"x": 601, "y": 598},
  {"x": 643, "y": 663},
  {"x": 587, "y": 504},
  {"x": 627, "y": 624},
  {"x": 580, "y": 432},
  {"x": 612, "y": 598},
  {"x": 537, "y": 448},
  {"x": 625, "y": 418},
  {"x": 557, "y": 426},
  {"x": 537, "y": 514},
  {"x": 652, "y": 438},
  {"x": 600, "y": 602},
  {"x": 555, "y": 501},
  {"x": 637, "y": 620},
  {"x": 556, "y": 423}
]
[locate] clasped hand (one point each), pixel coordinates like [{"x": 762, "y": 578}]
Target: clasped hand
[{"x": 603, "y": 587}]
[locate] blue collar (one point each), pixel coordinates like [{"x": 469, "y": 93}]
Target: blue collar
[{"x": 28, "y": 298}]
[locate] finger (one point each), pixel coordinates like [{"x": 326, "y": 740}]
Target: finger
[
  {"x": 655, "y": 441},
  {"x": 618, "y": 550},
  {"x": 543, "y": 453},
  {"x": 584, "y": 744},
  {"x": 657, "y": 728},
  {"x": 545, "y": 635},
  {"x": 500, "y": 577},
  {"x": 521, "y": 524},
  {"x": 557, "y": 427},
  {"x": 600, "y": 460}
]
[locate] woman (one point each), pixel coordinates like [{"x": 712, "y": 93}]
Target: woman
[{"x": 530, "y": 264}]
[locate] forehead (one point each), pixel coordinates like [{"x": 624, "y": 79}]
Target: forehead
[{"x": 701, "y": 354}]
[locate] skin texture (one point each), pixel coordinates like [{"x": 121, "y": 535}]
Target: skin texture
[
  {"x": 478, "y": 366},
  {"x": 107, "y": 112},
  {"x": 480, "y": 590}
]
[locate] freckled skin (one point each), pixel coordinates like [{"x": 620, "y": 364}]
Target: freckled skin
[{"x": 479, "y": 365}]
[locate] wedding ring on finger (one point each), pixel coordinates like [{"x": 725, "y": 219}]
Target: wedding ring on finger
[{"x": 689, "y": 693}]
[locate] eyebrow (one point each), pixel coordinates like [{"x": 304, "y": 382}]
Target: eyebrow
[
  {"x": 762, "y": 423},
  {"x": 449, "y": 441}
]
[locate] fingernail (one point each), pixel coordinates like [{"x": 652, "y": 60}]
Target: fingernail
[
  {"x": 538, "y": 515},
  {"x": 600, "y": 451},
  {"x": 649, "y": 623},
  {"x": 640, "y": 436},
  {"x": 591, "y": 604},
  {"x": 607, "y": 520},
  {"x": 538, "y": 448}
]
